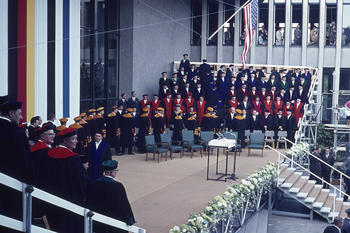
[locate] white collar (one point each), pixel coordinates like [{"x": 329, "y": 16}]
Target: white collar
[
  {"x": 5, "y": 118},
  {"x": 111, "y": 177}
]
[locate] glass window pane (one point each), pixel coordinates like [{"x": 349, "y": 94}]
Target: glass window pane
[
  {"x": 313, "y": 27},
  {"x": 297, "y": 15},
  {"x": 196, "y": 23},
  {"x": 346, "y": 23},
  {"x": 331, "y": 28},
  {"x": 279, "y": 27},
  {"x": 263, "y": 19},
  {"x": 213, "y": 8},
  {"x": 344, "y": 79},
  {"x": 229, "y": 27}
]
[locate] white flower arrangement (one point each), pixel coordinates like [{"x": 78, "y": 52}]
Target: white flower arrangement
[{"x": 231, "y": 202}]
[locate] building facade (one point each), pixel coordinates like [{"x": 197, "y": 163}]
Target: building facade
[{"x": 66, "y": 56}]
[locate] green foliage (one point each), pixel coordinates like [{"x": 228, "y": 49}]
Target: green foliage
[{"x": 324, "y": 137}]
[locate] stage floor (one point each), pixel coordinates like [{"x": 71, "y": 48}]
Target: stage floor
[{"x": 164, "y": 194}]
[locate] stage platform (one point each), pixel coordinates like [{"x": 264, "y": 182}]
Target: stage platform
[{"x": 164, "y": 194}]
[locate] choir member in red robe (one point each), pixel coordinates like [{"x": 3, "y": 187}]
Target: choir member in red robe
[
  {"x": 168, "y": 105},
  {"x": 189, "y": 102},
  {"x": 201, "y": 107},
  {"x": 278, "y": 104},
  {"x": 298, "y": 110}
]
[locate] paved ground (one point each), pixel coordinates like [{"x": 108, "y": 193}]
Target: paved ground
[
  {"x": 281, "y": 224},
  {"x": 164, "y": 194}
]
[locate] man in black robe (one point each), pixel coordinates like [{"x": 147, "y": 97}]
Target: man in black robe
[
  {"x": 127, "y": 131},
  {"x": 144, "y": 129},
  {"x": 108, "y": 197},
  {"x": 291, "y": 126},
  {"x": 67, "y": 180},
  {"x": 315, "y": 164},
  {"x": 158, "y": 124},
  {"x": 15, "y": 160},
  {"x": 326, "y": 171}
]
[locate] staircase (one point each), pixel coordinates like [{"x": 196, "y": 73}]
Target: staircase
[{"x": 312, "y": 195}]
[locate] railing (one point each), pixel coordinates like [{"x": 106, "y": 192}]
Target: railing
[
  {"x": 301, "y": 122},
  {"x": 239, "y": 65},
  {"x": 316, "y": 176},
  {"x": 342, "y": 174},
  {"x": 29, "y": 191}
]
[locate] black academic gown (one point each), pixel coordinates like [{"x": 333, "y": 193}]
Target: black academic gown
[
  {"x": 108, "y": 197},
  {"x": 326, "y": 171},
  {"x": 144, "y": 129},
  {"x": 346, "y": 225},
  {"x": 177, "y": 132},
  {"x": 158, "y": 127},
  {"x": 127, "y": 132},
  {"x": 315, "y": 167},
  {"x": 15, "y": 162},
  {"x": 67, "y": 179},
  {"x": 291, "y": 127}
]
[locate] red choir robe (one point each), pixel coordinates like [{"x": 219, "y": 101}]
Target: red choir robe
[
  {"x": 231, "y": 104},
  {"x": 257, "y": 107},
  {"x": 189, "y": 103},
  {"x": 273, "y": 95},
  {"x": 263, "y": 95},
  {"x": 168, "y": 104},
  {"x": 179, "y": 101},
  {"x": 155, "y": 105},
  {"x": 286, "y": 108},
  {"x": 253, "y": 95},
  {"x": 143, "y": 103},
  {"x": 268, "y": 106},
  {"x": 201, "y": 110},
  {"x": 278, "y": 105},
  {"x": 298, "y": 110}
]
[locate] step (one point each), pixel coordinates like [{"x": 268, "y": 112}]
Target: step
[
  {"x": 299, "y": 184},
  {"x": 288, "y": 183},
  {"x": 337, "y": 209},
  {"x": 328, "y": 204},
  {"x": 321, "y": 198},
  {"x": 311, "y": 197},
  {"x": 345, "y": 206},
  {"x": 306, "y": 189},
  {"x": 285, "y": 174},
  {"x": 283, "y": 167}
]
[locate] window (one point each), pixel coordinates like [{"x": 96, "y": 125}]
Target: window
[
  {"x": 99, "y": 54},
  {"x": 213, "y": 8},
  {"x": 229, "y": 27},
  {"x": 279, "y": 27},
  {"x": 196, "y": 24},
  {"x": 346, "y": 23},
  {"x": 263, "y": 19},
  {"x": 297, "y": 15},
  {"x": 327, "y": 95},
  {"x": 344, "y": 79},
  {"x": 314, "y": 26},
  {"x": 331, "y": 28}
]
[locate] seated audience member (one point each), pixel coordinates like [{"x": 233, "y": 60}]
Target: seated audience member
[
  {"x": 99, "y": 151},
  {"x": 108, "y": 197}
]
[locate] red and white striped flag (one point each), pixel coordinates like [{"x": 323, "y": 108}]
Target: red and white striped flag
[{"x": 250, "y": 15}]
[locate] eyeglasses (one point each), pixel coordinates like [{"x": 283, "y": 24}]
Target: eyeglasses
[{"x": 50, "y": 134}]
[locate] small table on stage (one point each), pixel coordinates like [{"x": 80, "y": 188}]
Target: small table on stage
[{"x": 226, "y": 144}]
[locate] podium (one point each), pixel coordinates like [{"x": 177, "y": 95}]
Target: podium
[{"x": 226, "y": 144}]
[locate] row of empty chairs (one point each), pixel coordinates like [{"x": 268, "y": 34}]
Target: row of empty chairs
[{"x": 255, "y": 140}]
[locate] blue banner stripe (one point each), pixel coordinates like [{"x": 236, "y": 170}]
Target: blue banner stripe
[{"x": 65, "y": 58}]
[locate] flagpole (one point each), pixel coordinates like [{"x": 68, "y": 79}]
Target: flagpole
[{"x": 229, "y": 19}]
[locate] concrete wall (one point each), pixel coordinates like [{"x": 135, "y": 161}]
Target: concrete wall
[
  {"x": 126, "y": 46},
  {"x": 156, "y": 47}
]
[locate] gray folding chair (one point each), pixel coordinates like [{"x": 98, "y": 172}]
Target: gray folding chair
[
  {"x": 256, "y": 142},
  {"x": 269, "y": 138},
  {"x": 280, "y": 138}
]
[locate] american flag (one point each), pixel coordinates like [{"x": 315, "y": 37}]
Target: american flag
[{"x": 250, "y": 14}]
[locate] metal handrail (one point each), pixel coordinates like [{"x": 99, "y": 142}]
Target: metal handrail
[
  {"x": 316, "y": 176},
  {"x": 319, "y": 159},
  {"x": 59, "y": 202},
  {"x": 255, "y": 65}
]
